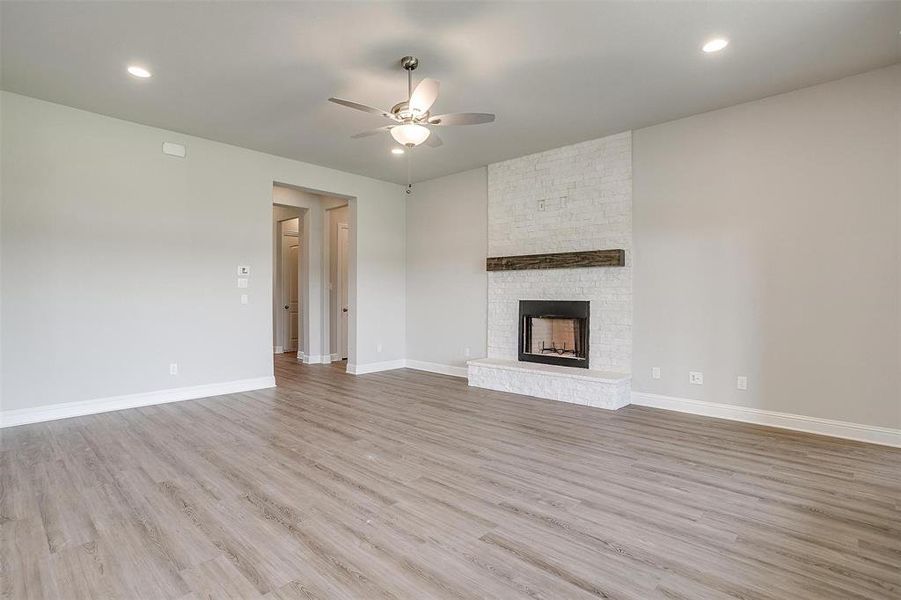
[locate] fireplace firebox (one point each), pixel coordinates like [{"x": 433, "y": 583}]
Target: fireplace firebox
[{"x": 554, "y": 332}]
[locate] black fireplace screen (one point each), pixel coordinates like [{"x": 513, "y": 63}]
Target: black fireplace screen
[{"x": 554, "y": 332}]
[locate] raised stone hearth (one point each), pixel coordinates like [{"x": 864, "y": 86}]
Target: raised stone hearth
[{"x": 600, "y": 389}]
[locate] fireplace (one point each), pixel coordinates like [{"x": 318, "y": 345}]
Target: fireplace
[{"x": 554, "y": 332}]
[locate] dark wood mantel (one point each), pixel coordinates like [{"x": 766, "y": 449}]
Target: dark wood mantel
[{"x": 559, "y": 260}]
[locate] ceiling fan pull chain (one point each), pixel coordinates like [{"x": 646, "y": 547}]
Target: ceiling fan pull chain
[{"x": 410, "y": 170}]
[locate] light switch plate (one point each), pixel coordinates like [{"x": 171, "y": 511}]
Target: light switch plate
[
  {"x": 741, "y": 382},
  {"x": 696, "y": 377},
  {"x": 655, "y": 372},
  {"x": 243, "y": 271},
  {"x": 242, "y": 282},
  {"x": 244, "y": 299}
]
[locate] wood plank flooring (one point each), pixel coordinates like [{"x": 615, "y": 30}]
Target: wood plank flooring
[{"x": 411, "y": 485}]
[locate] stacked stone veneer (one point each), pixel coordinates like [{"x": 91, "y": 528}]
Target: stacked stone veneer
[{"x": 573, "y": 198}]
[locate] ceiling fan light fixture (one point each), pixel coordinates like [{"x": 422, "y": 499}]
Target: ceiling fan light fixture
[{"x": 410, "y": 134}]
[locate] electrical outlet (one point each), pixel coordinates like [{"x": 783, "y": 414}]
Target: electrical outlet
[
  {"x": 696, "y": 377},
  {"x": 378, "y": 348},
  {"x": 173, "y": 368},
  {"x": 466, "y": 352},
  {"x": 243, "y": 271},
  {"x": 244, "y": 299},
  {"x": 542, "y": 204},
  {"x": 655, "y": 372},
  {"x": 741, "y": 382},
  {"x": 242, "y": 282}
]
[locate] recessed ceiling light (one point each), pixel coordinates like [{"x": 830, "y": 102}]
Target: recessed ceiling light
[
  {"x": 397, "y": 151},
  {"x": 138, "y": 71},
  {"x": 715, "y": 45}
]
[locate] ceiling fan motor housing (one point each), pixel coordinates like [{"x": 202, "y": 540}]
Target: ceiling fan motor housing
[
  {"x": 402, "y": 111},
  {"x": 409, "y": 63}
]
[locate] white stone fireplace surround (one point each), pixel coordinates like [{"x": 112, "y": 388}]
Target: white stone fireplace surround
[{"x": 568, "y": 199}]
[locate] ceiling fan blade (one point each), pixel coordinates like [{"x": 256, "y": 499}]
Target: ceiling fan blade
[
  {"x": 461, "y": 119},
  {"x": 362, "y": 107},
  {"x": 434, "y": 140},
  {"x": 424, "y": 96},
  {"x": 370, "y": 132}
]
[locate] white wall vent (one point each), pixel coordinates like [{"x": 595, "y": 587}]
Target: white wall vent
[{"x": 173, "y": 149}]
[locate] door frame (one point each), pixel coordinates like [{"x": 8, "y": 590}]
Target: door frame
[{"x": 315, "y": 298}]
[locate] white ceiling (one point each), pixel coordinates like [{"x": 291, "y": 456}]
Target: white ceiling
[{"x": 257, "y": 74}]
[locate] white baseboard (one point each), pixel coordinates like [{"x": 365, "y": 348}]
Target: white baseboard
[
  {"x": 278, "y": 350},
  {"x": 431, "y": 367},
  {"x": 419, "y": 365},
  {"x": 388, "y": 365},
  {"x": 310, "y": 359},
  {"x": 336, "y": 357},
  {"x": 840, "y": 429},
  {"x": 23, "y": 416}
]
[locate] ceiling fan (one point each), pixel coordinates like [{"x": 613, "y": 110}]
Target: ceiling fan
[{"x": 411, "y": 119}]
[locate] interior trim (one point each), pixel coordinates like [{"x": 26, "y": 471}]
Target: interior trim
[
  {"x": 65, "y": 410},
  {"x": 309, "y": 359},
  {"x": 431, "y": 367},
  {"x": 841, "y": 429},
  {"x": 388, "y": 365}
]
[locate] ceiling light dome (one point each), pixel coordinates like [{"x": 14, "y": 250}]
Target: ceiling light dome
[
  {"x": 138, "y": 71},
  {"x": 715, "y": 45},
  {"x": 410, "y": 134}
]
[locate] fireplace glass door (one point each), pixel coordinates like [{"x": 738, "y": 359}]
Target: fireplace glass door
[
  {"x": 554, "y": 332},
  {"x": 554, "y": 336}
]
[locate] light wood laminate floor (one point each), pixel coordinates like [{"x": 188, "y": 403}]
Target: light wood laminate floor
[{"x": 406, "y": 484}]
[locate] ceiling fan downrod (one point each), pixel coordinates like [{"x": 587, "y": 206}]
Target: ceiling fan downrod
[{"x": 409, "y": 63}]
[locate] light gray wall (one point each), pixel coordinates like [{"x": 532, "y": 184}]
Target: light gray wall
[
  {"x": 117, "y": 259},
  {"x": 447, "y": 240},
  {"x": 767, "y": 245}
]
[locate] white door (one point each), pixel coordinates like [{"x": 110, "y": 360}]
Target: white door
[
  {"x": 290, "y": 290},
  {"x": 342, "y": 290},
  {"x": 293, "y": 296}
]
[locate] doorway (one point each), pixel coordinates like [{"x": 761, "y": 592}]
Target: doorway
[{"x": 313, "y": 287}]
